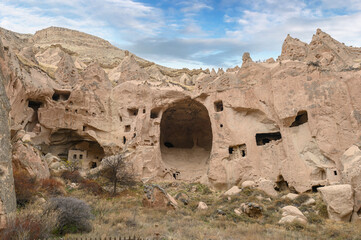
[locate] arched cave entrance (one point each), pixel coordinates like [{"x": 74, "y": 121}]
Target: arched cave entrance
[{"x": 186, "y": 139}]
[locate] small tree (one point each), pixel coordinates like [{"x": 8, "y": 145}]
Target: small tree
[{"x": 114, "y": 169}]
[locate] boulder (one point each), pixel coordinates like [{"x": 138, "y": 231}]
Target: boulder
[
  {"x": 26, "y": 138},
  {"x": 339, "y": 201},
  {"x": 202, "y": 206},
  {"x": 351, "y": 174},
  {"x": 253, "y": 210},
  {"x": 27, "y": 157},
  {"x": 232, "y": 191},
  {"x": 268, "y": 187},
  {"x": 290, "y": 196},
  {"x": 248, "y": 184},
  {"x": 309, "y": 201},
  {"x": 157, "y": 197},
  {"x": 291, "y": 214}
]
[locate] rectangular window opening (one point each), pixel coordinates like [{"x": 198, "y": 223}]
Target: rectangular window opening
[
  {"x": 218, "y": 106},
  {"x": 264, "y": 138}
]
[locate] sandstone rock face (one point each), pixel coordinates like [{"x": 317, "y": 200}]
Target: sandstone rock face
[
  {"x": 7, "y": 191},
  {"x": 351, "y": 174},
  {"x": 268, "y": 187},
  {"x": 339, "y": 200},
  {"x": 80, "y": 97},
  {"x": 29, "y": 158},
  {"x": 291, "y": 214}
]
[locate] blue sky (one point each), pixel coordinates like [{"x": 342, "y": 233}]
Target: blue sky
[{"x": 193, "y": 34}]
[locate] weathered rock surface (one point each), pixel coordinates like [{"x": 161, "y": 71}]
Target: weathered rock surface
[
  {"x": 157, "y": 197},
  {"x": 309, "y": 201},
  {"x": 268, "y": 187},
  {"x": 248, "y": 184},
  {"x": 253, "y": 210},
  {"x": 26, "y": 157},
  {"x": 339, "y": 200},
  {"x": 80, "y": 97},
  {"x": 351, "y": 174},
  {"x": 7, "y": 191},
  {"x": 232, "y": 191},
  {"x": 202, "y": 206},
  {"x": 291, "y": 214},
  {"x": 291, "y": 196}
]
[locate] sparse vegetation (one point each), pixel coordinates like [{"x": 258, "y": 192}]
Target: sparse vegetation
[
  {"x": 115, "y": 170},
  {"x": 124, "y": 215},
  {"x": 73, "y": 215},
  {"x": 72, "y": 176},
  {"x": 29, "y": 224},
  {"x": 25, "y": 187},
  {"x": 52, "y": 186}
]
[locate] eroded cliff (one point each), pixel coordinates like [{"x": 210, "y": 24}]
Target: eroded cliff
[{"x": 288, "y": 120}]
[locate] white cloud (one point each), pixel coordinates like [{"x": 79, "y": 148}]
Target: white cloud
[
  {"x": 193, "y": 6},
  {"x": 180, "y": 33},
  {"x": 131, "y": 19}
]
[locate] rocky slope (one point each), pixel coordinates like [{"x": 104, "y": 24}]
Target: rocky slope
[{"x": 288, "y": 121}]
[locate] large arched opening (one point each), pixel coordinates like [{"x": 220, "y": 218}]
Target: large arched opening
[{"x": 186, "y": 139}]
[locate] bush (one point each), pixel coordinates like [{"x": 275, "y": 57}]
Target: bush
[
  {"x": 73, "y": 215},
  {"x": 91, "y": 186},
  {"x": 29, "y": 227},
  {"x": 72, "y": 176},
  {"x": 25, "y": 187},
  {"x": 52, "y": 186}
]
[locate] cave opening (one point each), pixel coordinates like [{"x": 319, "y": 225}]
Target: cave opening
[
  {"x": 186, "y": 138},
  {"x": 315, "y": 187},
  {"x": 281, "y": 184},
  {"x": 301, "y": 118},
  {"x": 133, "y": 111},
  {"x": 60, "y": 95},
  {"x": 218, "y": 106},
  {"x": 264, "y": 138},
  {"x": 237, "y": 151},
  {"x": 34, "y": 120},
  {"x": 69, "y": 145},
  {"x": 154, "y": 113}
]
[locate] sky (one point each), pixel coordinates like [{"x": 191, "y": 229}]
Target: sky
[{"x": 192, "y": 34}]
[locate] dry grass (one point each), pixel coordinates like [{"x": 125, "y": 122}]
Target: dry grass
[{"x": 124, "y": 215}]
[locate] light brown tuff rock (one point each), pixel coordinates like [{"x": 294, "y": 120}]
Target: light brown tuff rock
[
  {"x": 291, "y": 214},
  {"x": 156, "y": 197},
  {"x": 7, "y": 191},
  {"x": 339, "y": 200},
  {"x": 287, "y": 122}
]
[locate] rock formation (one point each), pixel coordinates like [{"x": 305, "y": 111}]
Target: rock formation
[
  {"x": 7, "y": 192},
  {"x": 287, "y": 121}
]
